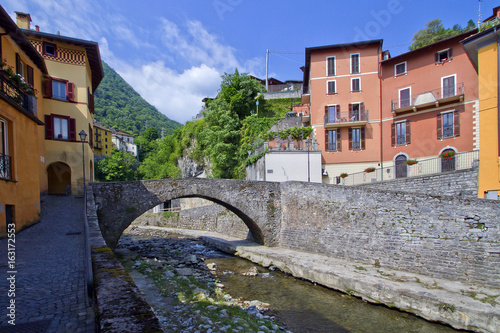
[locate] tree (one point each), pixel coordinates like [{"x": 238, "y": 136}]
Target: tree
[
  {"x": 119, "y": 166},
  {"x": 434, "y": 31}
]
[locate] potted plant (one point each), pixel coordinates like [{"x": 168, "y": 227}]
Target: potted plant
[
  {"x": 370, "y": 169},
  {"x": 447, "y": 154},
  {"x": 411, "y": 162},
  {"x": 343, "y": 175}
]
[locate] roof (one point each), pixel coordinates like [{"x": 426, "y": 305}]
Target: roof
[
  {"x": 124, "y": 134},
  {"x": 16, "y": 34},
  {"x": 479, "y": 40},
  {"x": 92, "y": 49},
  {"x": 495, "y": 13},
  {"x": 427, "y": 47}
]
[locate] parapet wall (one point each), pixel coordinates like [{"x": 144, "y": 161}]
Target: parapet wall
[{"x": 438, "y": 236}]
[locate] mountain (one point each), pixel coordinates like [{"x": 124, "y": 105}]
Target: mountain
[{"x": 119, "y": 106}]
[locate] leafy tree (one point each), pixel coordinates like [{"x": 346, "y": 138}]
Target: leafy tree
[
  {"x": 119, "y": 166},
  {"x": 151, "y": 134},
  {"x": 434, "y": 31}
]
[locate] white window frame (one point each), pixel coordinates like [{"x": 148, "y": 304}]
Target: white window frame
[
  {"x": 405, "y": 71},
  {"x": 327, "y": 87},
  {"x": 54, "y": 90},
  {"x": 442, "y": 51},
  {"x": 359, "y": 63},
  {"x": 334, "y": 66},
  {"x": 52, "y": 54},
  {"x": 356, "y": 78},
  {"x": 399, "y": 97},
  {"x": 455, "y": 84},
  {"x": 56, "y": 135}
]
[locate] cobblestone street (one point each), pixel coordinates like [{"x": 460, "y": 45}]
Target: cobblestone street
[{"x": 50, "y": 281}]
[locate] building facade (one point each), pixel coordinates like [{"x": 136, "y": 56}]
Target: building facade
[
  {"x": 102, "y": 140},
  {"x": 74, "y": 72},
  {"x": 21, "y": 128},
  {"x": 124, "y": 142}
]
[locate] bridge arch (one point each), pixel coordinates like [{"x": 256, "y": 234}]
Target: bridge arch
[{"x": 257, "y": 204}]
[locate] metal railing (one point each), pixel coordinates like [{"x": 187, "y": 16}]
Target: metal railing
[
  {"x": 12, "y": 93},
  {"x": 346, "y": 117},
  {"x": 285, "y": 87},
  {"x": 5, "y": 167},
  {"x": 89, "y": 274},
  {"x": 459, "y": 161},
  {"x": 430, "y": 96}
]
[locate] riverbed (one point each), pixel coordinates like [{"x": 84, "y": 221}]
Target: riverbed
[{"x": 194, "y": 288}]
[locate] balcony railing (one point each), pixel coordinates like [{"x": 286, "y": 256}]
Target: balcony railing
[
  {"x": 459, "y": 161},
  {"x": 5, "y": 167},
  {"x": 426, "y": 99},
  {"x": 285, "y": 87},
  {"x": 11, "y": 92},
  {"x": 346, "y": 118}
]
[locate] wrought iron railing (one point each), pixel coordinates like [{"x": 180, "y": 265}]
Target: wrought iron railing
[
  {"x": 459, "y": 161},
  {"x": 11, "y": 92},
  {"x": 346, "y": 117},
  {"x": 430, "y": 96},
  {"x": 5, "y": 167}
]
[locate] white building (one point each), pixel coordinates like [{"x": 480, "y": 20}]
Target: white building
[{"x": 124, "y": 142}]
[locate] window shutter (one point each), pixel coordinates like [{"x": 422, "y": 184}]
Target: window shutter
[
  {"x": 72, "y": 129},
  {"x": 350, "y": 138},
  {"x": 91, "y": 137},
  {"x": 350, "y": 111},
  {"x": 327, "y": 146},
  {"x": 70, "y": 91},
  {"x": 18, "y": 64},
  {"x": 362, "y": 138},
  {"x": 439, "y": 127},
  {"x": 48, "y": 88},
  {"x": 339, "y": 142},
  {"x": 337, "y": 109},
  {"x": 393, "y": 134},
  {"x": 436, "y": 57},
  {"x": 456, "y": 123},
  {"x": 29, "y": 75},
  {"x": 49, "y": 127},
  {"x": 326, "y": 115},
  {"x": 90, "y": 101},
  {"x": 408, "y": 133},
  {"x": 450, "y": 54}
]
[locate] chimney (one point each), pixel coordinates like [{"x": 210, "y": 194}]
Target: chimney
[
  {"x": 37, "y": 28},
  {"x": 23, "y": 20}
]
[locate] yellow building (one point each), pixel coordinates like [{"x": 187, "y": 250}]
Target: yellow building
[
  {"x": 102, "y": 140},
  {"x": 74, "y": 72},
  {"x": 21, "y": 128},
  {"x": 482, "y": 50}
]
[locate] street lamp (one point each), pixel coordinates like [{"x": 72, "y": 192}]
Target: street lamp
[
  {"x": 308, "y": 145},
  {"x": 83, "y": 136}
]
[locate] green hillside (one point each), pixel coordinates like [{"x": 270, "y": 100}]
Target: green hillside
[{"x": 119, "y": 106}]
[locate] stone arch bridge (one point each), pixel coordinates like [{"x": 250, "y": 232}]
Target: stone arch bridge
[{"x": 256, "y": 203}]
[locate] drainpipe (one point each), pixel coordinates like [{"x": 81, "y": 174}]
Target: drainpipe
[
  {"x": 498, "y": 88},
  {"x": 381, "y": 130}
]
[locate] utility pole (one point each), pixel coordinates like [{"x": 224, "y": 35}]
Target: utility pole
[
  {"x": 479, "y": 16},
  {"x": 267, "y": 70}
]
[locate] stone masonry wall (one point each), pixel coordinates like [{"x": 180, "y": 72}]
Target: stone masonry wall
[
  {"x": 213, "y": 218},
  {"x": 443, "y": 237},
  {"x": 462, "y": 183}
]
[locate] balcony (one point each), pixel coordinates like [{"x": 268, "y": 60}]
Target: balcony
[
  {"x": 346, "y": 119},
  {"x": 428, "y": 99},
  {"x": 11, "y": 93},
  {"x": 5, "y": 167}
]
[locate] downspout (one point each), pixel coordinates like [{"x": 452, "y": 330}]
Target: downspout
[
  {"x": 498, "y": 89},
  {"x": 380, "y": 114}
]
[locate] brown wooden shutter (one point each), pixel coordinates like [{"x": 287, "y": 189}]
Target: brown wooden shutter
[
  {"x": 408, "y": 132},
  {"x": 439, "y": 127},
  {"x": 450, "y": 54},
  {"x": 18, "y": 64},
  {"x": 90, "y": 101},
  {"x": 393, "y": 134},
  {"x": 29, "y": 75},
  {"x": 70, "y": 91},
  {"x": 91, "y": 137},
  {"x": 48, "y": 88},
  {"x": 326, "y": 115},
  {"x": 436, "y": 57},
  {"x": 72, "y": 129},
  {"x": 350, "y": 138},
  {"x": 350, "y": 111},
  {"x": 49, "y": 127},
  {"x": 456, "y": 123},
  {"x": 326, "y": 140},
  {"x": 362, "y": 138},
  {"x": 339, "y": 140},
  {"x": 337, "y": 109}
]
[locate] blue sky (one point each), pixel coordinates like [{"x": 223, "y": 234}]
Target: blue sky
[{"x": 174, "y": 52}]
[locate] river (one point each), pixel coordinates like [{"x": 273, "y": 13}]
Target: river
[{"x": 174, "y": 271}]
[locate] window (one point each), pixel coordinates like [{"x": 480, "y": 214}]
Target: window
[
  {"x": 355, "y": 84},
  {"x": 332, "y": 114},
  {"x": 356, "y": 111},
  {"x": 106, "y": 139},
  {"x": 5, "y": 159},
  {"x": 330, "y": 66},
  {"x": 19, "y": 66},
  {"x": 3, "y": 138},
  {"x": 400, "y": 69},
  {"x": 106, "y": 147},
  {"x": 333, "y": 141},
  {"x": 60, "y": 127},
  {"x": 59, "y": 89},
  {"x": 401, "y": 133},
  {"x": 355, "y": 63},
  {"x": 357, "y": 138},
  {"x": 49, "y": 49},
  {"x": 331, "y": 88},
  {"x": 448, "y": 125},
  {"x": 404, "y": 97},
  {"x": 443, "y": 56},
  {"x": 448, "y": 87}
]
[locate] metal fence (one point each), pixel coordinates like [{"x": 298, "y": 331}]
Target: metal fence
[
  {"x": 459, "y": 161},
  {"x": 5, "y": 167}
]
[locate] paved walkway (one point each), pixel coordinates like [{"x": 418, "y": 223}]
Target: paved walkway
[{"x": 50, "y": 281}]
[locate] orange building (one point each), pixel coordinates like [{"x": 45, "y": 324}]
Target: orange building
[
  {"x": 429, "y": 105},
  {"x": 21, "y": 128},
  {"x": 342, "y": 88}
]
